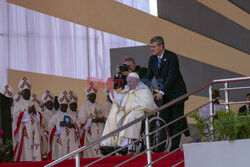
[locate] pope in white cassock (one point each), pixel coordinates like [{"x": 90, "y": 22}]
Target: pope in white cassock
[
  {"x": 92, "y": 122},
  {"x": 27, "y": 137},
  {"x": 63, "y": 130},
  {"x": 133, "y": 101}
]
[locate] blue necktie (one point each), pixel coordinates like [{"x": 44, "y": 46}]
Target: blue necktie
[{"x": 159, "y": 63}]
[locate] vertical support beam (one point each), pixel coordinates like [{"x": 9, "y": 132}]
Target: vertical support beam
[
  {"x": 211, "y": 105},
  {"x": 149, "y": 158},
  {"x": 211, "y": 109},
  {"x": 77, "y": 158},
  {"x": 226, "y": 96}
]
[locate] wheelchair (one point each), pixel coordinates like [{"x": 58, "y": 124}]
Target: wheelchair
[{"x": 155, "y": 122}]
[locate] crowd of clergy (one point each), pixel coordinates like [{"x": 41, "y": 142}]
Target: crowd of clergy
[{"x": 50, "y": 127}]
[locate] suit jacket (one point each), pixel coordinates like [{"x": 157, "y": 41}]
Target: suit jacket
[{"x": 168, "y": 77}]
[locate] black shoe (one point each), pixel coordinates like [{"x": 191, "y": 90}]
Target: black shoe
[
  {"x": 105, "y": 150},
  {"x": 123, "y": 151}
]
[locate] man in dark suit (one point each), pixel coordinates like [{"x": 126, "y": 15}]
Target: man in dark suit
[
  {"x": 164, "y": 66},
  {"x": 245, "y": 110}
]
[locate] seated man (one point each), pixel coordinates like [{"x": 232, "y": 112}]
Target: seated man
[
  {"x": 245, "y": 110},
  {"x": 133, "y": 102},
  {"x": 205, "y": 112}
]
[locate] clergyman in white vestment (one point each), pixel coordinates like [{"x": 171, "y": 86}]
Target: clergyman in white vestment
[{"x": 133, "y": 101}]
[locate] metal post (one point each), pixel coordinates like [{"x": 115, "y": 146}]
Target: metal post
[
  {"x": 148, "y": 143},
  {"x": 226, "y": 96},
  {"x": 77, "y": 157},
  {"x": 211, "y": 107}
]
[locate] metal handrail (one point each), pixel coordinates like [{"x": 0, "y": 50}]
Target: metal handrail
[
  {"x": 236, "y": 88},
  {"x": 126, "y": 126},
  {"x": 237, "y": 102},
  {"x": 231, "y": 80},
  {"x": 178, "y": 163},
  {"x": 164, "y": 156},
  {"x": 183, "y": 97},
  {"x": 137, "y": 155},
  {"x": 194, "y": 110}
]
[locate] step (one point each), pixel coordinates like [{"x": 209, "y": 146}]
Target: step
[{"x": 110, "y": 161}]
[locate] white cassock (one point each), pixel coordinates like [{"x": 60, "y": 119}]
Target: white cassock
[
  {"x": 27, "y": 134},
  {"x": 74, "y": 113},
  {"x": 106, "y": 109},
  {"x": 136, "y": 103},
  {"x": 16, "y": 99},
  {"x": 111, "y": 123},
  {"x": 62, "y": 140},
  {"x": 40, "y": 124},
  {"x": 90, "y": 131},
  {"x": 47, "y": 114},
  {"x": 205, "y": 111},
  {"x": 54, "y": 111}
]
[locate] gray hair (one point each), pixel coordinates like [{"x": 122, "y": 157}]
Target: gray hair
[
  {"x": 159, "y": 40},
  {"x": 129, "y": 59}
]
